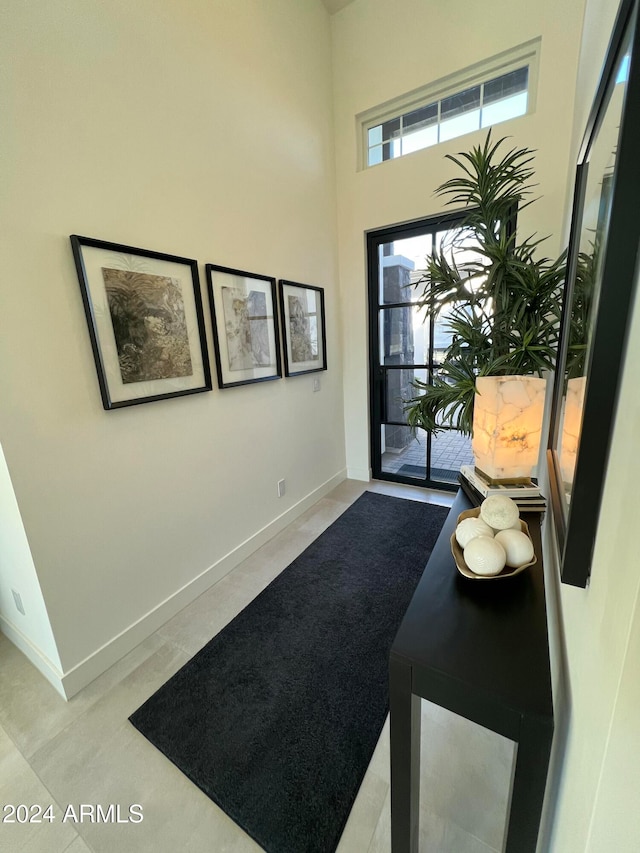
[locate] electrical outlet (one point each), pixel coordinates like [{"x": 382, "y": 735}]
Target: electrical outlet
[
  {"x": 316, "y": 384},
  {"x": 18, "y": 601},
  {"x": 280, "y": 488}
]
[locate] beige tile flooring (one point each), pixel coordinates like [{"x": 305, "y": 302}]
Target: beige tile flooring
[{"x": 86, "y": 752}]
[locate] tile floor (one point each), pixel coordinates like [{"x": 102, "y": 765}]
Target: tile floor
[{"x": 86, "y": 752}]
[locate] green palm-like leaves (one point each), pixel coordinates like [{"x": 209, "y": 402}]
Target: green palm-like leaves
[
  {"x": 501, "y": 303},
  {"x": 448, "y": 402}
]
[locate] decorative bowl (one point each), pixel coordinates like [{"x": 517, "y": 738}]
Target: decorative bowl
[{"x": 458, "y": 553}]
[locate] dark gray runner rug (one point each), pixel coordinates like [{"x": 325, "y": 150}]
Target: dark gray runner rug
[{"x": 277, "y": 717}]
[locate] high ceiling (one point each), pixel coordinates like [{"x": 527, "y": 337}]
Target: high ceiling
[{"x": 336, "y": 5}]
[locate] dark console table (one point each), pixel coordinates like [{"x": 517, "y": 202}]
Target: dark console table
[{"x": 480, "y": 649}]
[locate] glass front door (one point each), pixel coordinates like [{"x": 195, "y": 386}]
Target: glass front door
[{"x": 406, "y": 342}]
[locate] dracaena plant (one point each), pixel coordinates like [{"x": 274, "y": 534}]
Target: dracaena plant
[{"x": 499, "y": 300}]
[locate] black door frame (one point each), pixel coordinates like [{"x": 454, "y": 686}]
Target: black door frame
[{"x": 377, "y": 402}]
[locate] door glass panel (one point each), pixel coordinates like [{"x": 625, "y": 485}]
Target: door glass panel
[
  {"x": 404, "y": 336},
  {"x": 400, "y": 263},
  {"x": 403, "y": 453},
  {"x": 449, "y": 450},
  {"x": 458, "y": 241},
  {"x": 399, "y": 389},
  {"x": 411, "y": 344},
  {"x": 406, "y": 454},
  {"x": 442, "y": 338}
]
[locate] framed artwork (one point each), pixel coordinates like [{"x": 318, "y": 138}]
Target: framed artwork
[
  {"x": 245, "y": 331},
  {"x": 303, "y": 328},
  {"x": 146, "y": 324},
  {"x": 599, "y": 293}
]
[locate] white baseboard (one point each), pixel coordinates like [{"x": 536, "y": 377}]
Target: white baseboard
[
  {"x": 34, "y": 654},
  {"x": 99, "y": 661}
]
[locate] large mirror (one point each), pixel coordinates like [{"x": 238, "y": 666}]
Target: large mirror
[{"x": 601, "y": 276}]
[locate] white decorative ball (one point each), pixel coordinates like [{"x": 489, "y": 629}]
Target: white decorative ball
[
  {"x": 469, "y": 528},
  {"x": 485, "y": 556},
  {"x": 517, "y": 545},
  {"x": 499, "y": 512}
]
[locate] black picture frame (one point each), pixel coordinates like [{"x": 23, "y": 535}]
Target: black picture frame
[
  {"x": 303, "y": 327},
  {"x": 245, "y": 327},
  {"x": 145, "y": 319},
  {"x": 599, "y": 293}
]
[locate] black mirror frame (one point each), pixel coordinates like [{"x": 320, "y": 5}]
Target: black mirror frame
[{"x": 576, "y": 528}]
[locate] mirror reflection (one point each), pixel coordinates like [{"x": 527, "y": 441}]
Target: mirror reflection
[{"x": 583, "y": 306}]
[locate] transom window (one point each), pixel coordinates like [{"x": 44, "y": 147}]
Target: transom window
[{"x": 476, "y": 98}]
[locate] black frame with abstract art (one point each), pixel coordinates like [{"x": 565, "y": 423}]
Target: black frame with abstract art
[
  {"x": 602, "y": 271},
  {"x": 245, "y": 328},
  {"x": 303, "y": 328},
  {"x": 146, "y": 323}
]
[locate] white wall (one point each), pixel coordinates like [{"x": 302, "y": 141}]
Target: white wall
[
  {"x": 201, "y": 129},
  {"x": 382, "y": 50},
  {"x": 595, "y": 777},
  {"x": 598, "y": 787},
  {"x": 30, "y": 630},
  {"x": 614, "y": 824}
]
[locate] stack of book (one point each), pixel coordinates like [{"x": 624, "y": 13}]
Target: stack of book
[{"x": 526, "y": 495}]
